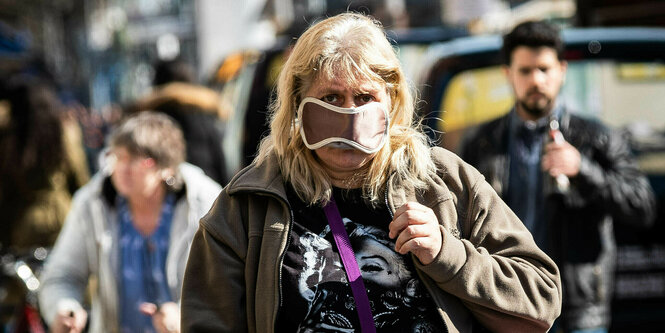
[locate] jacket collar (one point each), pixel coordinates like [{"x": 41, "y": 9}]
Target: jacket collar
[
  {"x": 558, "y": 112},
  {"x": 265, "y": 177}
]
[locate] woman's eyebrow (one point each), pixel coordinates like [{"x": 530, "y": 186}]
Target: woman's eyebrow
[{"x": 376, "y": 256}]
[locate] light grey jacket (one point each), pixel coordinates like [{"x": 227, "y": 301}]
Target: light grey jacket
[{"x": 87, "y": 248}]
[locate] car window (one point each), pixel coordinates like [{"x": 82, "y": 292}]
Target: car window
[{"x": 625, "y": 95}]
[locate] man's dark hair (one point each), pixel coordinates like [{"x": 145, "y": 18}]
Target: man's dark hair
[
  {"x": 533, "y": 34},
  {"x": 176, "y": 70}
]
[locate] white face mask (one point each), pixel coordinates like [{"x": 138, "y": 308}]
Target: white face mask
[{"x": 364, "y": 128}]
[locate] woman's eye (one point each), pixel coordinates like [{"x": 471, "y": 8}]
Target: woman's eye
[
  {"x": 364, "y": 99},
  {"x": 371, "y": 268},
  {"x": 330, "y": 99}
]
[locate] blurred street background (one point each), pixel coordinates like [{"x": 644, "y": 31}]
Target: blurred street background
[{"x": 101, "y": 55}]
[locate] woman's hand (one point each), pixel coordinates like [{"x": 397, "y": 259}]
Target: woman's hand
[
  {"x": 165, "y": 318},
  {"x": 69, "y": 321},
  {"x": 417, "y": 231}
]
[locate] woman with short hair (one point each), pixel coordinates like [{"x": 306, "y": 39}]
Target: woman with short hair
[{"x": 130, "y": 229}]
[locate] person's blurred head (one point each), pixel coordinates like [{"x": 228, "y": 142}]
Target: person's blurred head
[
  {"x": 343, "y": 59},
  {"x": 35, "y": 125},
  {"x": 533, "y": 54},
  {"x": 147, "y": 149},
  {"x": 175, "y": 70},
  {"x": 532, "y": 34}
]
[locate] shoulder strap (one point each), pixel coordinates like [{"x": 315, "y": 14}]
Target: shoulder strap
[{"x": 350, "y": 266}]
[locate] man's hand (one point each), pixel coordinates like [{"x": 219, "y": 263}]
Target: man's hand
[
  {"x": 417, "y": 231},
  {"x": 166, "y": 318},
  {"x": 561, "y": 158}
]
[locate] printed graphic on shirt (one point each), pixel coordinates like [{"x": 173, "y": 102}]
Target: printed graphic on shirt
[
  {"x": 396, "y": 295},
  {"x": 315, "y": 295}
]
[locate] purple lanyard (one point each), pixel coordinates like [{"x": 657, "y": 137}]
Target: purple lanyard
[{"x": 351, "y": 266}]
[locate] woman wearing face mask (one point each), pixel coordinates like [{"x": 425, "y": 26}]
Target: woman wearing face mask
[
  {"x": 131, "y": 231},
  {"x": 343, "y": 147}
]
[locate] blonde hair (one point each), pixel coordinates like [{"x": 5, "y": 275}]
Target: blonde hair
[{"x": 354, "y": 48}]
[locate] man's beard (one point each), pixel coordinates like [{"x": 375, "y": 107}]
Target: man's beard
[{"x": 536, "y": 109}]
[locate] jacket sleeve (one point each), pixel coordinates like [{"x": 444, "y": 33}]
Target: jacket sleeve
[
  {"x": 213, "y": 291},
  {"x": 65, "y": 275},
  {"x": 609, "y": 177},
  {"x": 496, "y": 270}
]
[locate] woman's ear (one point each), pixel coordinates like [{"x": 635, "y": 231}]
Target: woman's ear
[{"x": 168, "y": 175}]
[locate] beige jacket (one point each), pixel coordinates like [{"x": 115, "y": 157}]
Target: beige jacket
[{"x": 489, "y": 266}]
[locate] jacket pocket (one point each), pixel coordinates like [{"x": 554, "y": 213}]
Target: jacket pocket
[{"x": 584, "y": 284}]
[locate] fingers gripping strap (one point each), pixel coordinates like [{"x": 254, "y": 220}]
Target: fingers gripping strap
[{"x": 350, "y": 266}]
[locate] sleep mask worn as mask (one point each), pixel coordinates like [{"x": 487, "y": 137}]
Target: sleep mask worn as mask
[{"x": 364, "y": 128}]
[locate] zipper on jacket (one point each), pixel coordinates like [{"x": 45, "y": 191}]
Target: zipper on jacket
[
  {"x": 281, "y": 259},
  {"x": 390, "y": 211}
]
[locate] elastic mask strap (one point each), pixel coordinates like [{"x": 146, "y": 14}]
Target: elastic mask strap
[{"x": 350, "y": 266}]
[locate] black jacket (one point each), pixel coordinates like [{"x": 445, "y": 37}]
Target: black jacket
[{"x": 608, "y": 189}]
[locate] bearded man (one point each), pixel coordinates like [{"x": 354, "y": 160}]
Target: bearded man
[{"x": 567, "y": 178}]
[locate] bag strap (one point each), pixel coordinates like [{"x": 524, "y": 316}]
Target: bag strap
[{"x": 350, "y": 266}]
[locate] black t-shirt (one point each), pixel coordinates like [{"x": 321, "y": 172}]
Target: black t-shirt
[{"x": 315, "y": 294}]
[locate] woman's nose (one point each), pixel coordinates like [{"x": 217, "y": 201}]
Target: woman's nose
[{"x": 349, "y": 100}]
